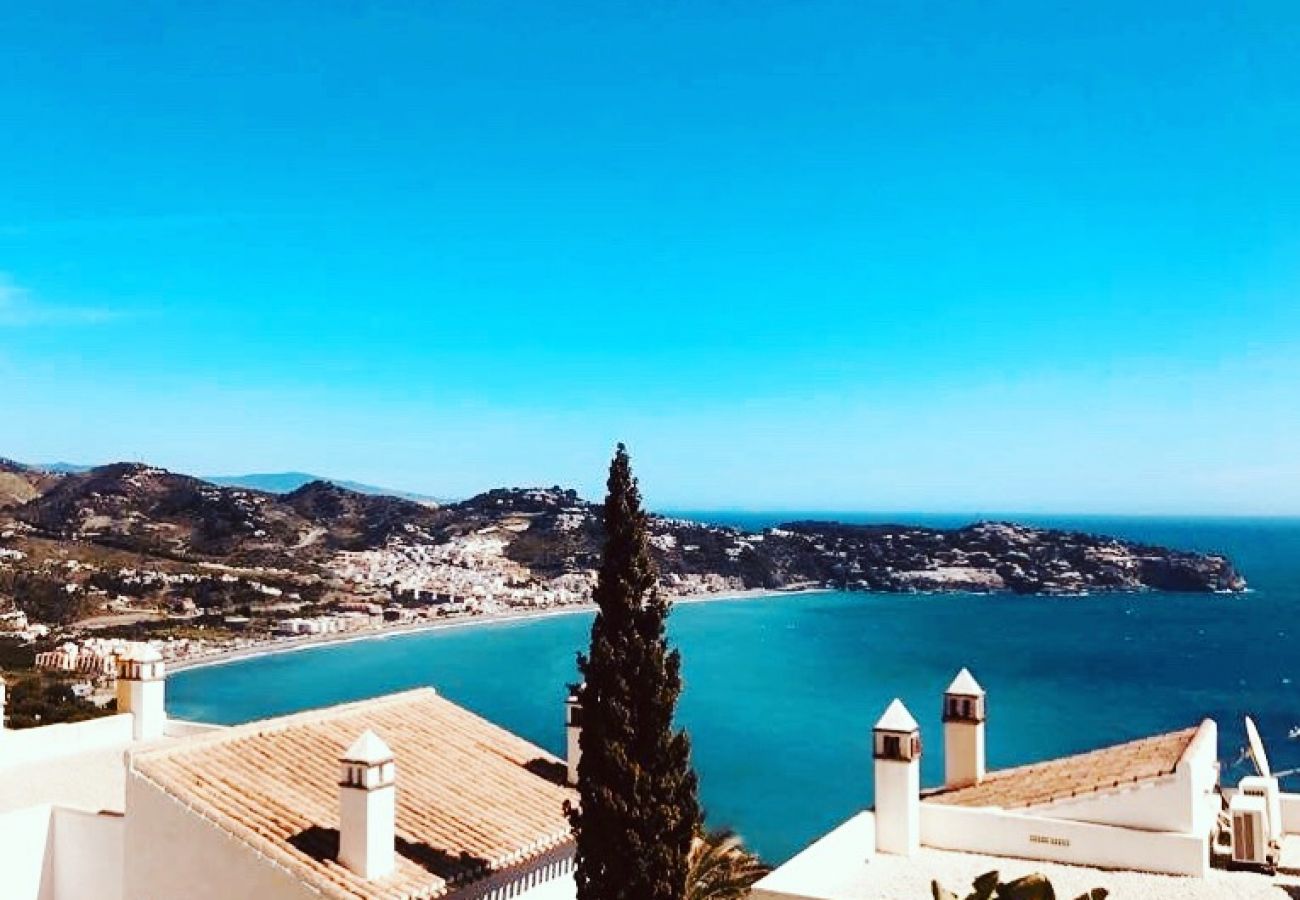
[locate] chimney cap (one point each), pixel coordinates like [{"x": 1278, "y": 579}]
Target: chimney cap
[
  {"x": 897, "y": 718},
  {"x": 965, "y": 685},
  {"x": 369, "y": 749}
]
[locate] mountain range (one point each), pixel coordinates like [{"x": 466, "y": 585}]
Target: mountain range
[
  {"x": 93, "y": 520},
  {"x": 287, "y": 482},
  {"x": 271, "y": 482}
]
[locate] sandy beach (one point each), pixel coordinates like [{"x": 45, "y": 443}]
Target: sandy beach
[{"x": 306, "y": 642}]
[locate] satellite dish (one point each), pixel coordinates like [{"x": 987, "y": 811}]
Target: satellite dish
[{"x": 1257, "y": 748}]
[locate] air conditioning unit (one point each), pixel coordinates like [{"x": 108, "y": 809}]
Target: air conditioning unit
[{"x": 1252, "y": 839}]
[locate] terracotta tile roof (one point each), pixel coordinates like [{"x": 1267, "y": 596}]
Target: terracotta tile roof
[
  {"x": 471, "y": 797},
  {"x": 1072, "y": 776}
]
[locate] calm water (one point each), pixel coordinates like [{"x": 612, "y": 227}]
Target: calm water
[{"x": 781, "y": 693}]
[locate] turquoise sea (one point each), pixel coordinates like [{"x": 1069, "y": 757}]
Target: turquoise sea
[{"x": 782, "y": 692}]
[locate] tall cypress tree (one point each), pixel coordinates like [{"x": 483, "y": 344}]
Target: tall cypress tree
[{"x": 638, "y": 807}]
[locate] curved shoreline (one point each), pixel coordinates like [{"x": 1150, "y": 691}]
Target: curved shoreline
[{"x": 292, "y": 645}]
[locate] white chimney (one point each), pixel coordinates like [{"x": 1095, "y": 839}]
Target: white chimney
[
  {"x": 963, "y": 731},
  {"x": 141, "y": 685},
  {"x": 2, "y": 704},
  {"x": 897, "y": 751},
  {"x": 368, "y": 807},
  {"x": 573, "y": 731}
]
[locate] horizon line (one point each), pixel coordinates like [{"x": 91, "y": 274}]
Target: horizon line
[{"x": 679, "y": 509}]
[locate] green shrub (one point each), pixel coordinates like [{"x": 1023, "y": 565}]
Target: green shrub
[{"x": 1031, "y": 887}]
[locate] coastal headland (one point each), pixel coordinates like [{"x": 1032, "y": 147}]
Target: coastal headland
[{"x": 134, "y": 552}]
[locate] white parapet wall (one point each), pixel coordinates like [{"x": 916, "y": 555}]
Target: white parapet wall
[
  {"x": 54, "y": 853},
  {"x": 1185, "y": 800},
  {"x": 1000, "y": 833},
  {"x": 50, "y": 742},
  {"x": 1159, "y": 804},
  {"x": 27, "y": 854},
  {"x": 1290, "y": 804},
  {"x": 821, "y": 869},
  {"x": 88, "y": 861},
  {"x": 176, "y": 728}
]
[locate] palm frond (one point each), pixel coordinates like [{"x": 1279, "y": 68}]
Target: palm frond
[{"x": 721, "y": 868}]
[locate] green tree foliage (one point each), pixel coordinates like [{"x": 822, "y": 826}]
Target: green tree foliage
[
  {"x": 42, "y": 597},
  {"x": 721, "y": 868},
  {"x": 1030, "y": 887},
  {"x": 36, "y": 700},
  {"x": 638, "y": 810}
]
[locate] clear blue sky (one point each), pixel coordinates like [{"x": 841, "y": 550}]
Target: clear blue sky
[{"x": 895, "y": 256}]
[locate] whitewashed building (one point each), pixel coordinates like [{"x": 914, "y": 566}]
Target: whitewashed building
[
  {"x": 404, "y": 796},
  {"x": 1120, "y": 816}
]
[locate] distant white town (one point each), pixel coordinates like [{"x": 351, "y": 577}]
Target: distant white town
[{"x": 398, "y": 587}]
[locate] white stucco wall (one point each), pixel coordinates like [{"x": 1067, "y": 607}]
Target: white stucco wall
[
  {"x": 1200, "y": 764},
  {"x": 1164, "y": 804},
  {"x": 28, "y": 745},
  {"x": 1184, "y": 801},
  {"x": 27, "y": 854},
  {"x": 548, "y": 877},
  {"x": 572, "y": 752},
  {"x": 963, "y": 753},
  {"x": 171, "y": 852},
  {"x": 821, "y": 869},
  {"x": 999, "y": 833},
  {"x": 147, "y": 706},
  {"x": 183, "y": 728},
  {"x": 367, "y": 826},
  {"x": 561, "y": 888},
  {"x": 1290, "y": 804},
  {"x": 88, "y": 855},
  {"x": 898, "y": 803}
]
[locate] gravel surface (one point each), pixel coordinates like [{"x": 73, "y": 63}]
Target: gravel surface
[
  {"x": 897, "y": 878},
  {"x": 839, "y": 868}
]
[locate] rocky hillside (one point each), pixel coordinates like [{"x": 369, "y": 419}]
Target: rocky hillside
[
  {"x": 555, "y": 531},
  {"x": 997, "y": 556},
  {"x": 20, "y": 484},
  {"x": 288, "y": 482},
  {"x": 343, "y": 519},
  {"x": 132, "y": 530},
  {"x": 155, "y": 512}
]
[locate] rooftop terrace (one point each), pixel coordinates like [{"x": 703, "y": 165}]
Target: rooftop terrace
[{"x": 843, "y": 865}]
